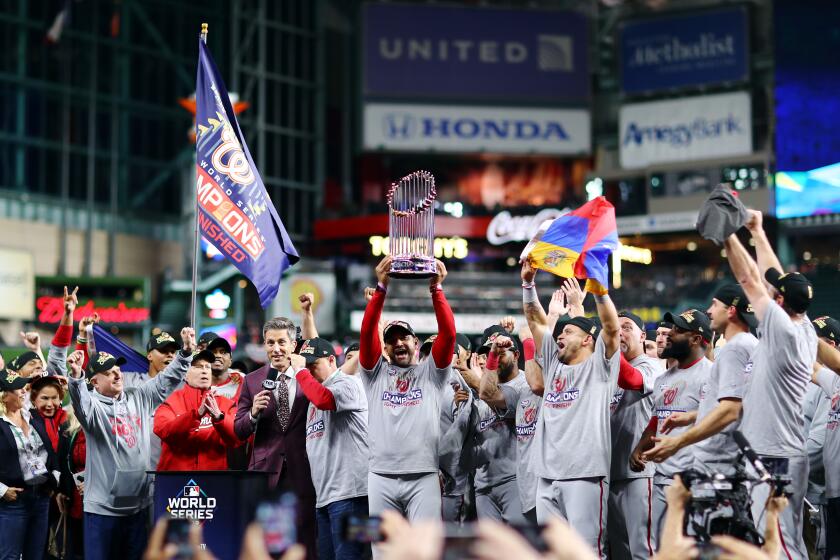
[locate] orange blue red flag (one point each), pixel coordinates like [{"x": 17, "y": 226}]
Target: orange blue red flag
[{"x": 578, "y": 244}]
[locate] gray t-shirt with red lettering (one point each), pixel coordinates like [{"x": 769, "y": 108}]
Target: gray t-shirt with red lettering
[
  {"x": 777, "y": 377},
  {"x": 336, "y": 442},
  {"x": 526, "y": 404},
  {"x": 727, "y": 380},
  {"x": 630, "y": 413},
  {"x": 573, "y": 430},
  {"x": 829, "y": 382},
  {"x": 678, "y": 390},
  {"x": 404, "y": 416}
]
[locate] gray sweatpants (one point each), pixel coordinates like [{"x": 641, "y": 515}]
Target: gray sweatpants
[
  {"x": 659, "y": 508},
  {"x": 581, "y": 501},
  {"x": 414, "y": 496},
  {"x": 629, "y": 519},
  {"x": 500, "y": 503},
  {"x": 793, "y": 545},
  {"x": 453, "y": 509}
]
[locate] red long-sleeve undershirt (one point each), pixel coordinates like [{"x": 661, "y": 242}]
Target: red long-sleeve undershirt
[
  {"x": 444, "y": 345},
  {"x": 370, "y": 348},
  {"x": 63, "y": 336},
  {"x": 442, "y": 348},
  {"x": 629, "y": 377},
  {"x": 317, "y": 394}
]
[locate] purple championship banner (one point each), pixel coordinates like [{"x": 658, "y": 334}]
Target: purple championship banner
[
  {"x": 423, "y": 51},
  {"x": 236, "y": 214}
]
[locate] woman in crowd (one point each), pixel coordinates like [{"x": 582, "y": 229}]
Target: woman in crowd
[
  {"x": 26, "y": 473},
  {"x": 72, "y": 465}
]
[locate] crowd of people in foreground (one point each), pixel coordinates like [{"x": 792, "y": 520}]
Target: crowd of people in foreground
[{"x": 580, "y": 424}]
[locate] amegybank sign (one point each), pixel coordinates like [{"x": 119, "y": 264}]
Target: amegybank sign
[
  {"x": 685, "y": 129},
  {"x": 407, "y": 127}
]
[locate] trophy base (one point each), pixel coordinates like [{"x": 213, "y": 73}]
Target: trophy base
[{"x": 413, "y": 268}]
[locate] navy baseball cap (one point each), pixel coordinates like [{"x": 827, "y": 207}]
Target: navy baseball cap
[
  {"x": 733, "y": 295},
  {"x": 633, "y": 317},
  {"x": 587, "y": 325},
  {"x": 400, "y": 325},
  {"x": 827, "y": 327},
  {"x": 489, "y": 335},
  {"x": 22, "y": 360},
  {"x": 692, "y": 320},
  {"x": 207, "y": 337},
  {"x": 796, "y": 289},
  {"x": 162, "y": 341},
  {"x": 205, "y": 355},
  {"x": 315, "y": 348},
  {"x": 219, "y": 342},
  {"x": 11, "y": 381},
  {"x": 102, "y": 362}
]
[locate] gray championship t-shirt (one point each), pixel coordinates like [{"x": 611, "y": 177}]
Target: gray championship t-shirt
[
  {"x": 336, "y": 442},
  {"x": 678, "y": 390},
  {"x": 520, "y": 398},
  {"x": 630, "y": 413},
  {"x": 499, "y": 433},
  {"x": 573, "y": 431},
  {"x": 778, "y": 374},
  {"x": 404, "y": 416},
  {"x": 727, "y": 380},
  {"x": 829, "y": 382}
]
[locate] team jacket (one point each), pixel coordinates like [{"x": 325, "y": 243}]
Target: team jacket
[{"x": 190, "y": 442}]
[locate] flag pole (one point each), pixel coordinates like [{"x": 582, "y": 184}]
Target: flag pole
[{"x": 197, "y": 236}]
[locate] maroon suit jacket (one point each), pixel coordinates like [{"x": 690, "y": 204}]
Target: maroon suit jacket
[
  {"x": 274, "y": 449},
  {"x": 283, "y": 453}
]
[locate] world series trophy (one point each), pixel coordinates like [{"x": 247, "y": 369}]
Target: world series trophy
[{"x": 411, "y": 226}]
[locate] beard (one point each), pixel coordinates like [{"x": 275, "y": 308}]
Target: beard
[{"x": 677, "y": 350}]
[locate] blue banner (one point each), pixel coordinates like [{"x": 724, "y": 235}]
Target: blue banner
[
  {"x": 236, "y": 214},
  {"x": 684, "y": 50},
  {"x": 422, "y": 51},
  {"x": 106, "y": 342}
]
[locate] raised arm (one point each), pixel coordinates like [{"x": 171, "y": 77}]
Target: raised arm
[
  {"x": 533, "y": 371},
  {"x": 57, "y": 358},
  {"x": 444, "y": 345},
  {"x": 370, "y": 345},
  {"x": 161, "y": 386},
  {"x": 308, "y": 330},
  {"x": 489, "y": 390},
  {"x": 747, "y": 274},
  {"x": 321, "y": 397},
  {"x": 763, "y": 251},
  {"x": 79, "y": 394},
  {"x": 534, "y": 312},
  {"x": 609, "y": 324}
]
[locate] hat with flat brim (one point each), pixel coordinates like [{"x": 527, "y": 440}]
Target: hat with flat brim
[
  {"x": 794, "y": 287},
  {"x": 692, "y": 320},
  {"x": 11, "y": 381}
]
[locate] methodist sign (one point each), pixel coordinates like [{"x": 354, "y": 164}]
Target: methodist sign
[
  {"x": 413, "y": 51},
  {"x": 683, "y": 50},
  {"x": 410, "y": 127},
  {"x": 685, "y": 129}
]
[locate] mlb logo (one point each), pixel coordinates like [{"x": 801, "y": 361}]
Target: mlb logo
[{"x": 191, "y": 491}]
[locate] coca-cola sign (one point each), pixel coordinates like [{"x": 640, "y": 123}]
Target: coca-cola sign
[{"x": 505, "y": 228}]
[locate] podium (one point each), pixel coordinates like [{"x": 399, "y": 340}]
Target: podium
[{"x": 224, "y": 502}]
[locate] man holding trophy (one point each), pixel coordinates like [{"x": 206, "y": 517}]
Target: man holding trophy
[{"x": 404, "y": 396}]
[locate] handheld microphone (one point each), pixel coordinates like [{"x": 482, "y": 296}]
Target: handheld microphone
[
  {"x": 269, "y": 383},
  {"x": 752, "y": 456}
]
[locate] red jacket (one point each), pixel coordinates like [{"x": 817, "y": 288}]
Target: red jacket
[{"x": 193, "y": 443}]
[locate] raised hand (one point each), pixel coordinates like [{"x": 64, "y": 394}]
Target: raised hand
[
  {"x": 528, "y": 272},
  {"x": 382, "y": 270},
  {"x": 508, "y": 323},
  {"x": 32, "y": 340},
  {"x": 369, "y": 293},
  {"x": 440, "y": 273},
  {"x": 754, "y": 221},
  {"x": 501, "y": 344},
  {"x": 70, "y": 301},
  {"x": 212, "y": 406},
  {"x": 574, "y": 295},
  {"x": 306, "y": 301},
  {"x": 558, "y": 307},
  {"x": 298, "y": 361},
  {"x": 188, "y": 339},
  {"x": 74, "y": 363}
]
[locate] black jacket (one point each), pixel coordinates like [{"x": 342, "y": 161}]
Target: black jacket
[{"x": 10, "y": 473}]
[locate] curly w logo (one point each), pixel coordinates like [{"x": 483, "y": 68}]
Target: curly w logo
[{"x": 670, "y": 395}]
